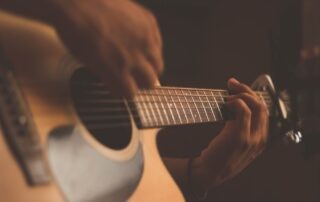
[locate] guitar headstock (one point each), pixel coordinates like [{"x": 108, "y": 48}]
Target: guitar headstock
[{"x": 280, "y": 110}]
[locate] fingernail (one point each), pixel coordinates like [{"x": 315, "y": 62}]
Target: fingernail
[{"x": 235, "y": 81}]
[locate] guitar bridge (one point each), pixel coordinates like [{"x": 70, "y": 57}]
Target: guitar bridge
[{"x": 19, "y": 130}]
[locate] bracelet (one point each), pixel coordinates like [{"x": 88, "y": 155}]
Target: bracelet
[{"x": 197, "y": 196}]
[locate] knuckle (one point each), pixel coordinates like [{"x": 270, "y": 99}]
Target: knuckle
[
  {"x": 151, "y": 19},
  {"x": 238, "y": 102},
  {"x": 246, "y": 112},
  {"x": 260, "y": 140},
  {"x": 263, "y": 142},
  {"x": 160, "y": 66},
  {"x": 156, "y": 60},
  {"x": 245, "y": 94},
  {"x": 245, "y": 143},
  {"x": 243, "y": 108},
  {"x": 245, "y": 87},
  {"x": 149, "y": 14},
  {"x": 256, "y": 142},
  {"x": 263, "y": 109}
]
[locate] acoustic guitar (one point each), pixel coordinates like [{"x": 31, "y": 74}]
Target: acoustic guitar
[{"x": 66, "y": 138}]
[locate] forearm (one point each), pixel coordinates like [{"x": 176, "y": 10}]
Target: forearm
[{"x": 42, "y": 10}]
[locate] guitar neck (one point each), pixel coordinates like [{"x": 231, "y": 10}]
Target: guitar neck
[{"x": 168, "y": 106}]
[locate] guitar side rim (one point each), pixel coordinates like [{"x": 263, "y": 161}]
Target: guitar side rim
[{"x": 58, "y": 116}]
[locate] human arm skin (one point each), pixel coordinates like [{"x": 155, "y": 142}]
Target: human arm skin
[
  {"x": 235, "y": 147},
  {"x": 118, "y": 40},
  {"x": 129, "y": 57}
]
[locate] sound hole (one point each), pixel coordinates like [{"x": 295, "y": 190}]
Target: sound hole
[{"x": 105, "y": 117}]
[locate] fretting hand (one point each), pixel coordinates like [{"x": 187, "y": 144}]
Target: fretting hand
[{"x": 238, "y": 144}]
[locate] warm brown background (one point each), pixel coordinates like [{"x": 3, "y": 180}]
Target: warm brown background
[{"x": 208, "y": 41}]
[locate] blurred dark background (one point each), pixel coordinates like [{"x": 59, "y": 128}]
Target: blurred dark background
[{"x": 208, "y": 41}]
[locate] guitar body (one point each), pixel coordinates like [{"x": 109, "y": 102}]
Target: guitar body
[{"x": 81, "y": 167}]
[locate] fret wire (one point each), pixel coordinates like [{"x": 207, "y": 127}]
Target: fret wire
[
  {"x": 156, "y": 120},
  {"x": 123, "y": 118},
  {"x": 146, "y": 110},
  {"x": 151, "y": 104},
  {"x": 217, "y": 95},
  {"x": 127, "y": 124},
  {"x": 196, "y": 107},
  {"x": 194, "y": 120},
  {"x": 101, "y": 84},
  {"x": 267, "y": 97},
  {"x": 205, "y": 104},
  {"x": 141, "y": 108},
  {"x": 171, "y": 112},
  {"x": 165, "y": 111},
  {"x": 187, "y": 120},
  {"x": 262, "y": 99},
  {"x": 157, "y": 108},
  {"x": 268, "y": 101},
  {"x": 268, "y": 104},
  {"x": 204, "y": 108},
  {"x": 112, "y": 109},
  {"x": 174, "y": 103},
  {"x": 141, "y": 112},
  {"x": 114, "y": 100},
  {"x": 212, "y": 104},
  {"x": 152, "y": 92},
  {"x": 177, "y": 99},
  {"x": 214, "y": 116},
  {"x": 117, "y": 118},
  {"x": 189, "y": 89},
  {"x": 146, "y": 94}
]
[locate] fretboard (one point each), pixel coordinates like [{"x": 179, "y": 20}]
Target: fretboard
[{"x": 167, "y": 106}]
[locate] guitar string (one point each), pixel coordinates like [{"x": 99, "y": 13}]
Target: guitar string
[
  {"x": 135, "y": 110},
  {"x": 120, "y": 108},
  {"x": 153, "y": 92},
  {"x": 90, "y": 108},
  {"x": 135, "y": 115},
  {"x": 100, "y": 84},
  {"x": 220, "y": 99}
]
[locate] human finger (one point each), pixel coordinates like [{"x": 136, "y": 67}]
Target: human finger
[
  {"x": 258, "y": 110},
  {"x": 236, "y": 87},
  {"x": 143, "y": 73},
  {"x": 120, "y": 84},
  {"x": 153, "y": 54},
  {"x": 242, "y": 120},
  {"x": 153, "y": 25}
]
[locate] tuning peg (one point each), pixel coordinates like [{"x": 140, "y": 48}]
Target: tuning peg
[{"x": 293, "y": 136}]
